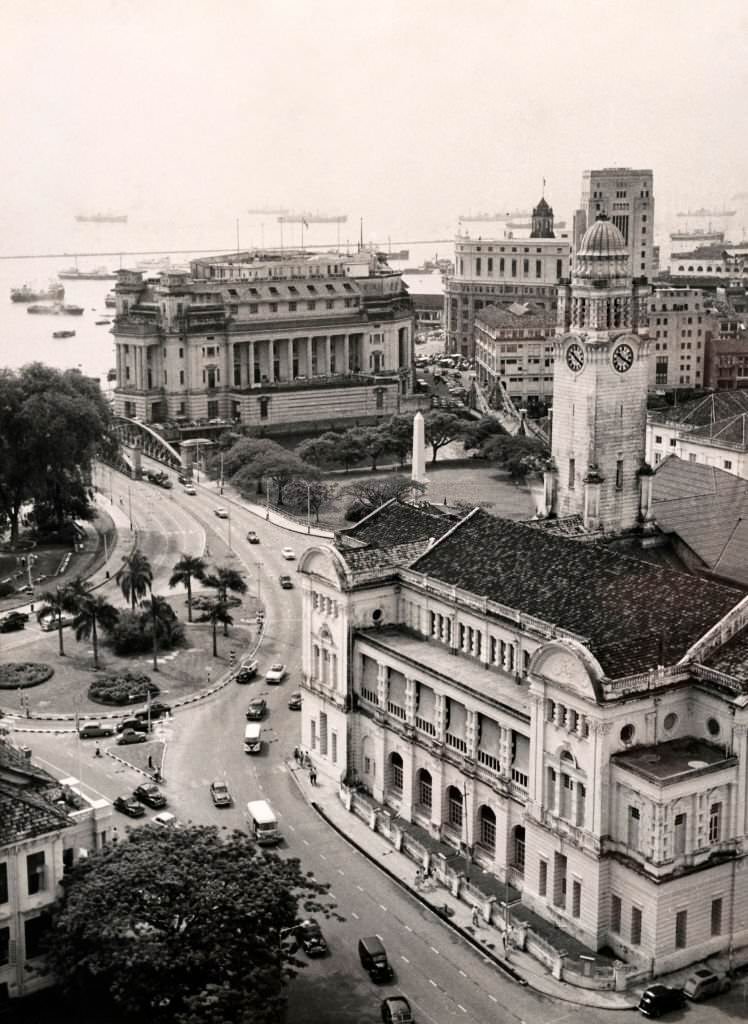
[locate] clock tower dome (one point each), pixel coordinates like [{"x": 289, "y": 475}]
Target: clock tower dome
[{"x": 600, "y": 385}]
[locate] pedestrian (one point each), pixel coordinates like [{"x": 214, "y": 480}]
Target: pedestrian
[
  {"x": 419, "y": 878},
  {"x": 98, "y": 750},
  {"x": 475, "y": 917},
  {"x": 313, "y": 775},
  {"x": 150, "y": 761}
]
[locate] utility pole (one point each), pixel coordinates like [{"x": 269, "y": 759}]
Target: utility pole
[
  {"x": 308, "y": 506},
  {"x": 221, "y": 478}
]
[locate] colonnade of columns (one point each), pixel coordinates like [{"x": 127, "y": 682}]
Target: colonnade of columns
[{"x": 286, "y": 359}]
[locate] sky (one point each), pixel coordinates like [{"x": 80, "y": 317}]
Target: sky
[{"x": 403, "y": 112}]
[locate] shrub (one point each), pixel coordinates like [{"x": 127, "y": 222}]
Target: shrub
[
  {"x": 19, "y": 674},
  {"x": 122, "y": 688},
  {"x": 133, "y": 633},
  {"x": 356, "y": 512}
]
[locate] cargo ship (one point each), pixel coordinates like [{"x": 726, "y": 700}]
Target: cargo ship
[
  {"x": 101, "y": 218},
  {"x": 477, "y": 218},
  {"x": 99, "y": 274},
  {"x": 54, "y": 293},
  {"x": 703, "y": 212},
  {"x": 312, "y": 218},
  {"x": 59, "y": 309}
]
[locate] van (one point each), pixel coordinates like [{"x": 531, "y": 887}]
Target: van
[
  {"x": 262, "y": 823},
  {"x": 373, "y": 957},
  {"x": 253, "y": 738}
]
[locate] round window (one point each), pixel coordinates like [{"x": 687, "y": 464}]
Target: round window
[
  {"x": 627, "y": 733},
  {"x": 670, "y": 721},
  {"x": 376, "y": 614},
  {"x": 713, "y": 727}
]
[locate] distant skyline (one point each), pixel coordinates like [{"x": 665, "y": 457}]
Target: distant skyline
[{"x": 184, "y": 116}]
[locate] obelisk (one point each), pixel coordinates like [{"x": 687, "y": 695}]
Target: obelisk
[{"x": 418, "y": 459}]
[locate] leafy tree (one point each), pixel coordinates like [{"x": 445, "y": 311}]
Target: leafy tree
[
  {"x": 276, "y": 468},
  {"x": 133, "y": 633},
  {"x": 374, "y": 442},
  {"x": 317, "y": 451},
  {"x": 225, "y": 579},
  {"x": 399, "y": 432},
  {"x": 519, "y": 455},
  {"x": 317, "y": 493},
  {"x": 134, "y": 577},
  {"x": 93, "y": 612},
  {"x": 216, "y": 612},
  {"x": 162, "y": 618},
  {"x": 187, "y": 569},
  {"x": 373, "y": 493},
  {"x": 476, "y": 432},
  {"x": 54, "y": 603},
  {"x": 440, "y": 429},
  {"x": 181, "y": 926},
  {"x": 246, "y": 450},
  {"x": 350, "y": 449}
]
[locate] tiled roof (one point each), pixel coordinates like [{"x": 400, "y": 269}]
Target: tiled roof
[
  {"x": 25, "y": 814},
  {"x": 708, "y": 510},
  {"x": 732, "y": 657},
  {"x": 518, "y": 314},
  {"x": 625, "y": 606},
  {"x": 733, "y": 431},
  {"x": 14, "y": 764},
  {"x": 700, "y": 411},
  {"x": 397, "y": 522}
]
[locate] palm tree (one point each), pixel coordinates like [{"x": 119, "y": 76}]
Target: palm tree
[
  {"x": 54, "y": 603},
  {"x": 216, "y": 611},
  {"x": 225, "y": 579},
  {"x": 161, "y": 620},
  {"x": 93, "y": 611},
  {"x": 187, "y": 569},
  {"x": 135, "y": 577}
]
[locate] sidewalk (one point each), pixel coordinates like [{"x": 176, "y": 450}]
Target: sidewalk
[
  {"x": 269, "y": 514},
  {"x": 452, "y": 911}
]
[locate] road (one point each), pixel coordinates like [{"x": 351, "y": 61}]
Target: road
[{"x": 444, "y": 979}]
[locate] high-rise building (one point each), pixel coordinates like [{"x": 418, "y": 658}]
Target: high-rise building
[{"x": 626, "y": 196}]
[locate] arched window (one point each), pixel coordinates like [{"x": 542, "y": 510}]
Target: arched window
[
  {"x": 487, "y": 828},
  {"x": 396, "y": 771},
  {"x": 454, "y": 807},
  {"x": 424, "y": 788},
  {"x": 518, "y": 848}
]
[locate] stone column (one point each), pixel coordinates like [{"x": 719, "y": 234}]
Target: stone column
[
  {"x": 327, "y": 355},
  {"x": 505, "y": 750},
  {"x": 289, "y": 354},
  {"x": 410, "y": 700},
  {"x": 382, "y": 685},
  {"x": 271, "y": 360},
  {"x": 440, "y": 716},
  {"x": 309, "y": 355},
  {"x": 740, "y": 748},
  {"x": 471, "y": 733},
  {"x": 250, "y": 364},
  {"x": 346, "y": 355}
]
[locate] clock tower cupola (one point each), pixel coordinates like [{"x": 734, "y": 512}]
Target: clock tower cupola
[{"x": 600, "y": 385}]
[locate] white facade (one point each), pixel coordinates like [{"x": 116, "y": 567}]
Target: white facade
[{"x": 678, "y": 325}]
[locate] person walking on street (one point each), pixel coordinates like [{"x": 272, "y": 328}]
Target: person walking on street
[
  {"x": 313, "y": 775},
  {"x": 475, "y": 917}
]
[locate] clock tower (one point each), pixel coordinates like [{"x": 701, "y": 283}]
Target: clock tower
[{"x": 600, "y": 386}]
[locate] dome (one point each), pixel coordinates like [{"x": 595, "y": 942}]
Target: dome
[{"x": 603, "y": 239}]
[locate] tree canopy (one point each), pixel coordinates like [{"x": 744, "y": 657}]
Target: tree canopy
[
  {"x": 52, "y": 424},
  {"x": 181, "y": 925},
  {"x": 440, "y": 429},
  {"x": 519, "y": 455},
  {"x": 374, "y": 492}
]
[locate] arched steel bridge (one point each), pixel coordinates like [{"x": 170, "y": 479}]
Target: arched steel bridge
[{"x": 134, "y": 434}]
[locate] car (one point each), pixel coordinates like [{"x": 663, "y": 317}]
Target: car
[
  {"x": 221, "y": 512},
  {"x": 183, "y": 479},
  {"x": 190, "y": 489},
  {"x": 286, "y": 582},
  {"x": 252, "y": 537},
  {"x": 256, "y": 709},
  {"x": 165, "y": 818},
  {"x": 14, "y": 621},
  {"x": 396, "y": 1010},
  {"x": 294, "y": 701},
  {"x": 132, "y": 723},
  {"x": 246, "y": 673},
  {"x": 310, "y": 937},
  {"x": 276, "y": 673},
  {"x": 50, "y": 622},
  {"x": 150, "y": 794},
  {"x": 289, "y": 554},
  {"x": 703, "y": 983},
  {"x": 219, "y": 794},
  {"x": 659, "y": 999},
  {"x": 158, "y": 710},
  {"x": 129, "y": 805},
  {"x": 90, "y": 730},
  {"x": 131, "y": 736}
]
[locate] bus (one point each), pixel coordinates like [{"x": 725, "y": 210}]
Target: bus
[{"x": 262, "y": 823}]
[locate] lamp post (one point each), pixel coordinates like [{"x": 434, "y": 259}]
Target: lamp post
[
  {"x": 228, "y": 522},
  {"x": 308, "y": 506},
  {"x": 129, "y": 505},
  {"x": 197, "y": 461}
]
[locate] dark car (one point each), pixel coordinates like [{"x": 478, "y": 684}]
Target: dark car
[
  {"x": 219, "y": 793},
  {"x": 256, "y": 709},
  {"x": 295, "y": 700},
  {"x": 286, "y": 582},
  {"x": 150, "y": 795},
  {"x": 247, "y": 672},
  {"x": 396, "y": 1010},
  {"x": 309, "y": 935},
  {"x": 252, "y": 537},
  {"x": 131, "y": 736},
  {"x": 373, "y": 957},
  {"x": 132, "y": 723},
  {"x": 13, "y": 621},
  {"x": 659, "y": 999},
  {"x": 129, "y": 805},
  {"x": 158, "y": 710}
]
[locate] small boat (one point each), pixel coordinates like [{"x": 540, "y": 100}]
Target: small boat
[
  {"x": 40, "y": 310},
  {"x": 111, "y": 301},
  {"x": 71, "y": 310},
  {"x": 100, "y": 322},
  {"x": 63, "y": 334},
  {"x": 58, "y": 309}
]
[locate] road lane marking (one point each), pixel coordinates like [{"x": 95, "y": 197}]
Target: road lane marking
[
  {"x": 493, "y": 997},
  {"x": 305, "y": 842},
  {"x": 408, "y": 928},
  {"x": 360, "y": 888},
  {"x": 463, "y": 974},
  {"x": 461, "y": 1007},
  {"x": 322, "y": 857},
  {"x": 340, "y": 871},
  {"x": 435, "y": 950},
  {"x": 291, "y": 828},
  {"x": 404, "y": 958},
  {"x": 354, "y": 914},
  {"x": 383, "y": 907},
  {"x": 432, "y": 982}
]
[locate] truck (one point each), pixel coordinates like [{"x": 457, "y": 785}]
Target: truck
[{"x": 262, "y": 823}]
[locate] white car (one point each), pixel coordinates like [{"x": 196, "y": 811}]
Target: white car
[
  {"x": 165, "y": 818},
  {"x": 276, "y": 673},
  {"x": 190, "y": 489},
  {"x": 221, "y": 512},
  {"x": 289, "y": 554}
]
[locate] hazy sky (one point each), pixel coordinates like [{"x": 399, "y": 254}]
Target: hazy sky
[{"x": 401, "y": 111}]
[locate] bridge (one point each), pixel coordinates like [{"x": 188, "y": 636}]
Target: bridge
[{"x": 139, "y": 437}]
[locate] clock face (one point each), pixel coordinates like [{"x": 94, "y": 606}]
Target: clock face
[
  {"x": 575, "y": 357},
  {"x": 623, "y": 358}
]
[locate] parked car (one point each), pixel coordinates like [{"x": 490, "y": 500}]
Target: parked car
[
  {"x": 91, "y": 730},
  {"x": 150, "y": 794},
  {"x": 165, "y": 818},
  {"x": 158, "y": 710},
  {"x": 13, "y": 621},
  {"x": 288, "y": 553},
  {"x": 221, "y": 512},
  {"x": 659, "y": 999},
  {"x": 309, "y": 935},
  {"x": 295, "y": 700},
  {"x": 183, "y": 479},
  {"x": 703, "y": 983},
  {"x": 219, "y": 794},
  {"x": 252, "y": 537},
  {"x": 131, "y": 736},
  {"x": 276, "y": 673},
  {"x": 396, "y": 1010},
  {"x": 129, "y": 805},
  {"x": 190, "y": 489},
  {"x": 286, "y": 582},
  {"x": 50, "y": 622},
  {"x": 256, "y": 709},
  {"x": 247, "y": 672},
  {"x": 132, "y": 723}
]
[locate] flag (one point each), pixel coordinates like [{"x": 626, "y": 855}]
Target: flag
[{"x": 305, "y": 223}]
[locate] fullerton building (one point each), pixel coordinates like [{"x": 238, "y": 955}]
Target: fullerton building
[{"x": 576, "y": 718}]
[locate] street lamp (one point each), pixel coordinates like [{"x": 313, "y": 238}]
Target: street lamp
[{"x": 308, "y": 506}]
